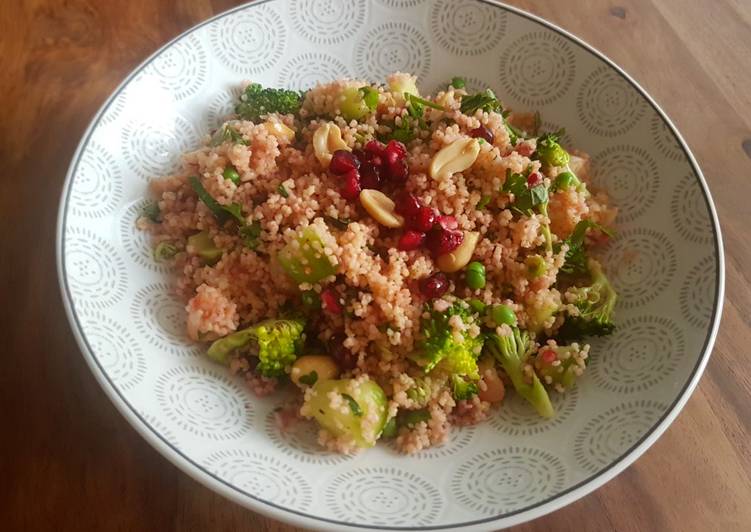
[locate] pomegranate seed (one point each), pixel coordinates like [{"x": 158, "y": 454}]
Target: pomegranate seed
[
  {"x": 548, "y": 356},
  {"x": 394, "y": 146},
  {"x": 423, "y": 220},
  {"x": 330, "y": 301},
  {"x": 524, "y": 148},
  {"x": 534, "y": 179},
  {"x": 441, "y": 241},
  {"x": 447, "y": 222},
  {"x": 350, "y": 188},
  {"x": 360, "y": 155},
  {"x": 482, "y": 133},
  {"x": 435, "y": 285},
  {"x": 407, "y": 204},
  {"x": 342, "y": 162},
  {"x": 343, "y": 356},
  {"x": 410, "y": 240},
  {"x": 376, "y": 148},
  {"x": 370, "y": 176}
]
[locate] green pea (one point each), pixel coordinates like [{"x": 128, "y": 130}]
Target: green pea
[
  {"x": 502, "y": 315},
  {"x": 231, "y": 173},
  {"x": 475, "y": 275},
  {"x": 564, "y": 180},
  {"x": 477, "y": 305},
  {"x": 457, "y": 82}
]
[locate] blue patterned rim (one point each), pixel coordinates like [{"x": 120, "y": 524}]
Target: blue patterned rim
[{"x": 203, "y": 475}]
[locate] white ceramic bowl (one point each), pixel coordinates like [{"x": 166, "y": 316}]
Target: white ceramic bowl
[{"x": 666, "y": 264}]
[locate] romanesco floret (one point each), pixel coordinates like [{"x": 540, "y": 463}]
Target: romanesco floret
[
  {"x": 462, "y": 388},
  {"x": 441, "y": 346},
  {"x": 511, "y": 350},
  {"x": 257, "y": 101},
  {"x": 279, "y": 342},
  {"x": 595, "y": 303}
]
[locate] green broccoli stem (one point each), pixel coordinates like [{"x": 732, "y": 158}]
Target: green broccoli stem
[{"x": 221, "y": 349}]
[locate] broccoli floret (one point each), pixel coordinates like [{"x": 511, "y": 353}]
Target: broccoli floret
[
  {"x": 304, "y": 259},
  {"x": 278, "y": 341},
  {"x": 576, "y": 256},
  {"x": 595, "y": 303},
  {"x": 512, "y": 351},
  {"x": 462, "y": 388},
  {"x": 560, "y": 364},
  {"x": 440, "y": 347},
  {"x": 550, "y": 152},
  {"x": 257, "y": 101},
  {"x": 357, "y": 103}
]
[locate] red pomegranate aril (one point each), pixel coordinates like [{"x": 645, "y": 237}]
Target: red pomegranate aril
[
  {"x": 396, "y": 147},
  {"x": 370, "y": 176},
  {"x": 441, "y": 241},
  {"x": 342, "y": 161},
  {"x": 524, "y": 148},
  {"x": 548, "y": 356},
  {"x": 350, "y": 187},
  {"x": 375, "y": 147},
  {"x": 410, "y": 240},
  {"x": 447, "y": 222},
  {"x": 360, "y": 155},
  {"x": 423, "y": 220},
  {"x": 434, "y": 286},
  {"x": 534, "y": 179},
  {"x": 330, "y": 301},
  {"x": 397, "y": 170},
  {"x": 482, "y": 133},
  {"x": 407, "y": 204}
]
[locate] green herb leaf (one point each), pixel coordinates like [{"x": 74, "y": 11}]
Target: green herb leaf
[
  {"x": 356, "y": 410},
  {"x": 152, "y": 212},
  {"x": 235, "y": 210},
  {"x": 282, "y": 191},
  {"x": 337, "y": 223},
  {"x": 228, "y": 134},
  {"x": 389, "y": 429},
  {"x": 482, "y": 100},
  {"x": 484, "y": 201},
  {"x": 218, "y": 210},
  {"x": 250, "y": 234},
  {"x": 403, "y": 133},
  {"x": 310, "y": 379},
  {"x": 525, "y": 198}
]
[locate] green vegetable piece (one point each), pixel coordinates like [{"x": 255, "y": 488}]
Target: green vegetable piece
[
  {"x": 152, "y": 212},
  {"x": 484, "y": 201},
  {"x": 164, "y": 251},
  {"x": 525, "y": 198},
  {"x": 416, "y": 105},
  {"x": 463, "y": 389},
  {"x": 203, "y": 246},
  {"x": 336, "y": 223},
  {"x": 219, "y": 212},
  {"x": 477, "y": 305},
  {"x": 564, "y": 181},
  {"x": 537, "y": 317},
  {"x": 389, "y": 429},
  {"x": 502, "y": 315},
  {"x": 304, "y": 260},
  {"x": 404, "y": 133},
  {"x": 564, "y": 373},
  {"x": 282, "y": 191},
  {"x": 228, "y": 134},
  {"x": 310, "y": 379},
  {"x": 370, "y": 97},
  {"x": 364, "y": 424},
  {"x": 278, "y": 341},
  {"x": 596, "y": 304},
  {"x": 535, "y": 266},
  {"x": 230, "y": 172},
  {"x": 475, "y": 275},
  {"x": 251, "y": 234},
  {"x": 457, "y": 82},
  {"x": 235, "y": 210},
  {"x": 403, "y": 85},
  {"x": 485, "y": 101},
  {"x": 576, "y": 261},
  {"x": 512, "y": 352},
  {"x": 257, "y": 101},
  {"x": 439, "y": 346},
  {"x": 354, "y": 106},
  {"x": 410, "y": 418},
  {"x": 550, "y": 152}
]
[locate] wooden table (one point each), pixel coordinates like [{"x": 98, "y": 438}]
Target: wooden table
[{"x": 69, "y": 461}]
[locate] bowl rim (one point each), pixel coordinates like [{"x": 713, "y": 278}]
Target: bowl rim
[{"x": 299, "y": 518}]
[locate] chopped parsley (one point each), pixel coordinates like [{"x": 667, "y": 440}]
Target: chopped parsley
[{"x": 356, "y": 410}]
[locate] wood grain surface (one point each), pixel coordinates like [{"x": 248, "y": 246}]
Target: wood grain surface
[{"x": 69, "y": 461}]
